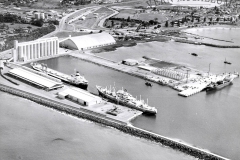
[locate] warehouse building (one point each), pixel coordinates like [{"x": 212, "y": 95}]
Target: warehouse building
[
  {"x": 35, "y": 79},
  {"x": 88, "y": 41},
  {"x": 80, "y": 96}
]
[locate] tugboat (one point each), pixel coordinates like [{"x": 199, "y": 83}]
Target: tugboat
[
  {"x": 148, "y": 84},
  {"x": 226, "y": 62},
  {"x": 219, "y": 84},
  {"x": 75, "y": 79},
  {"x": 126, "y": 99}
]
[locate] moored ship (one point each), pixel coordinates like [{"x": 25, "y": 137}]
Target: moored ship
[
  {"x": 126, "y": 99},
  {"x": 219, "y": 84},
  {"x": 75, "y": 79}
]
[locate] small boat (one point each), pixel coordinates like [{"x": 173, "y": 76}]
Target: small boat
[
  {"x": 148, "y": 84},
  {"x": 226, "y": 62},
  {"x": 194, "y": 54}
]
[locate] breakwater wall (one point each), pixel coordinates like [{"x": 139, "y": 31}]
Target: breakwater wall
[
  {"x": 99, "y": 118},
  {"x": 206, "y": 44}
]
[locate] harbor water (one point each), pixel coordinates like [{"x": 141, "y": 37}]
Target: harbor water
[{"x": 206, "y": 120}]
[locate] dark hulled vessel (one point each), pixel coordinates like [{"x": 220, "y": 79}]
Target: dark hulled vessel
[{"x": 75, "y": 79}]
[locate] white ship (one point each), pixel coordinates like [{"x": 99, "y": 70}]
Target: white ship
[{"x": 124, "y": 98}]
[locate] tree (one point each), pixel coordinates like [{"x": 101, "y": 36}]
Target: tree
[
  {"x": 178, "y": 23},
  {"x": 192, "y": 19},
  {"x": 128, "y": 19},
  {"x": 38, "y": 23},
  {"x": 112, "y": 23},
  {"x": 166, "y": 24},
  {"x": 183, "y": 20}
]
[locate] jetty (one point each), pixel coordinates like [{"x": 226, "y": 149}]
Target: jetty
[{"x": 193, "y": 90}]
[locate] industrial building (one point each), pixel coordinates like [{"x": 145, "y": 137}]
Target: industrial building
[
  {"x": 80, "y": 96},
  {"x": 31, "y": 50},
  {"x": 87, "y": 41},
  {"x": 39, "y": 15},
  {"x": 35, "y": 79}
]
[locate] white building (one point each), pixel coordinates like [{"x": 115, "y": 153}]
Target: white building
[
  {"x": 88, "y": 41},
  {"x": 26, "y": 51},
  {"x": 80, "y": 96},
  {"x": 42, "y": 16},
  {"x": 37, "y": 15}
]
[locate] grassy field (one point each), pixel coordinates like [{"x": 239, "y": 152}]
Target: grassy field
[
  {"x": 46, "y": 4},
  {"x": 66, "y": 34},
  {"x": 141, "y": 16},
  {"x": 103, "y": 10},
  {"x": 88, "y": 23}
]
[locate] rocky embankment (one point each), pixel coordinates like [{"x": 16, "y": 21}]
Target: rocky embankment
[
  {"x": 206, "y": 44},
  {"x": 95, "y": 117}
]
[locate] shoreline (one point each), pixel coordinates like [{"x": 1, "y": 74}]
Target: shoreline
[{"x": 129, "y": 129}]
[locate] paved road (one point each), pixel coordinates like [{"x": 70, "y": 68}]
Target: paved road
[
  {"x": 100, "y": 24},
  {"x": 63, "y": 20}
]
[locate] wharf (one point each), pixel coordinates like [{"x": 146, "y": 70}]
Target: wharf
[
  {"x": 125, "y": 116},
  {"x": 187, "y": 88},
  {"x": 131, "y": 70}
]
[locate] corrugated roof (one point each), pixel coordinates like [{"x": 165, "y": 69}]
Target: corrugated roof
[
  {"x": 80, "y": 94},
  {"x": 92, "y": 40},
  {"x": 34, "y": 78}
]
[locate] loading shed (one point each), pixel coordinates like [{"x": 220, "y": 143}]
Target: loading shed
[{"x": 80, "y": 96}]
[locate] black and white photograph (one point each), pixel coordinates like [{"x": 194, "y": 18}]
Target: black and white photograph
[{"x": 119, "y": 79}]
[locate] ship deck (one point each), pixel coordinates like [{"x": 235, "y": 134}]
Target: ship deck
[{"x": 55, "y": 73}]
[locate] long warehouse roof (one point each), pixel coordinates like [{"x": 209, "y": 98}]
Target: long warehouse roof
[
  {"x": 91, "y": 40},
  {"x": 80, "y": 94},
  {"x": 35, "y": 78}
]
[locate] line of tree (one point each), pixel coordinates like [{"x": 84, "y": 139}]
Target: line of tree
[
  {"x": 136, "y": 21},
  {"x": 10, "y": 18}
]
